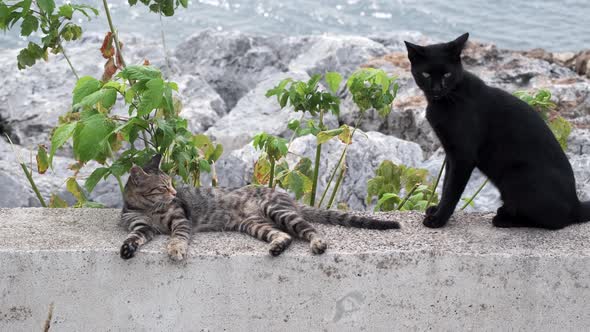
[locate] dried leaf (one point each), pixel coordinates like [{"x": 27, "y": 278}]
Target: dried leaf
[{"x": 107, "y": 50}]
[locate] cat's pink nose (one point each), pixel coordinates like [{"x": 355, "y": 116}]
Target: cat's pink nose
[{"x": 172, "y": 191}]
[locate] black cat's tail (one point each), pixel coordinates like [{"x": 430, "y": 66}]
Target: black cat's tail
[
  {"x": 333, "y": 217},
  {"x": 584, "y": 213}
]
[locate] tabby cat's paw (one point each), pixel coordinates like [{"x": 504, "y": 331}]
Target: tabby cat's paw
[
  {"x": 128, "y": 250},
  {"x": 318, "y": 246},
  {"x": 177, "y": 249},
  {"x": 277, "y": 246}
]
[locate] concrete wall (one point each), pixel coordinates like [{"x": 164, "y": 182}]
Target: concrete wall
[{"x": 468, "y": 276}]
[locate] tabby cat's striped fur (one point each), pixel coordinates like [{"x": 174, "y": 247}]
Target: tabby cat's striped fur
[{"x": 153, "y": 206}]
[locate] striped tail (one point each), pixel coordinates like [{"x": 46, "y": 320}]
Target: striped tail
[{"x": 323, "y": 216}]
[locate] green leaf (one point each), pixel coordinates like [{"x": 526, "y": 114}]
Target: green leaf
[
  {"x": 85, "y": 86},
  {"x": 29, "y": 55},
  {"x": 91, "y": 136},
  {"x": 74, "y": 188},
  {"x": 42, "y": 159},
  {"x": 184, "y": 3},
  {"x": 106, "y": 97},
  {"x": 140, "y": 73},
  {"x": 60, "y": 136},
  {"x": 204, "y": 165},
  {"x": 261, "y": 171},
  {"x": 57, "y": 202},
  {"x": 561, "y": 129},
  {"x": 333, "y": 79},
  {"x": 29, "y": 24},
  {"x": 152, "y": 97},
  {"x": 324, "y": 136},
  {"x": 293, "y": 124},
  {"x": 66, "y": 11},
  {"x": 46, "y": 5},
  {"x": 216, "y": 153},
  {"x": 132, "y": 2},
  {"x": 95, "y": 177}
]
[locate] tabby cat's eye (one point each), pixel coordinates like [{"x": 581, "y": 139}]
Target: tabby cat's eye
[
  {"x": 447, "y": 75},
  {"x": 425, "y": 74}
]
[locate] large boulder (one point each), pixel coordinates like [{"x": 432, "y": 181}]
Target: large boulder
[
  {"x": 336, "y": 53},
  {"x": 232, "y": 62},
  {"x": 201, "y": 105}
]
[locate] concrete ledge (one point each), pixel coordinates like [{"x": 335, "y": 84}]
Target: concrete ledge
[{"x": 468, "y": 275}]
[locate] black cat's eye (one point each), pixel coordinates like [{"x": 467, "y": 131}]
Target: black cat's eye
[
  {"x": 426, "y": 75},
  {"x": 447, "y": 75}
]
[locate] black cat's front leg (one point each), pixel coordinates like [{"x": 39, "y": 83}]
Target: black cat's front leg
[
  {"x": 456, "y": 177},
  {"x": 141, "y": 233}
]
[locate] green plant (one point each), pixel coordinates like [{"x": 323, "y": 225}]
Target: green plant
[
  {"x": 54, "y": 22},
  {"x": 392, "y": 180},
  {"x": 306, "y": 97},
  {"x": 274, "y": 149},
  {"x": 541, "y": 102},
  {"x": 95, "y": 132},
  {"x": 370, "y": 89},
  {"x": 165, "y": 7}
]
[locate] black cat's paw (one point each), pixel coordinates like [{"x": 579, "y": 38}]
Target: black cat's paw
[
  {"x": 433, "y": 221},
  {"x": 431, "y": 210},
  {"x": 128, "y": 250}
]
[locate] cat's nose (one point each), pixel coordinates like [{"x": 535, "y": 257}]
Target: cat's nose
[{"x": 172, "y": 191}]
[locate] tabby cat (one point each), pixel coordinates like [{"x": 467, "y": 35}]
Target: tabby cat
[
  {"x": 153, "y": 206},
  {"x": 488, "y": 128}
]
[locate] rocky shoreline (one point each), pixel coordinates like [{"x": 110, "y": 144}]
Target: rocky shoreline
[{"x": 223, "y": 76}]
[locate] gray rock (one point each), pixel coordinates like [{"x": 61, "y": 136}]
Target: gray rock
[
  {"x": 336, "y": 53},
  {"x": 581, "y": 167},
  {"x": 201, "y": 105},
  {"x": 232, "y": 62}
]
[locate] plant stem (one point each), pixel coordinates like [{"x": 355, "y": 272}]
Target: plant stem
[
  {"x": 113, "y": 31},
  {"x": 316, "y": 169},
  {"x": 272, "y": 173},
  {"x": 27, "y": 173},
  {"x": 340, "y": 164},
  {"x": 399, "y": 207},
  {"x": 33, "y": 185},
  {"x": 63, "y": 51},
  {"x": 337, "y": 185},
  {"x": 433, "y": 190},
  {"x": 121, "y": 188},
  {"x": 474, "y": 195},
  {"x": 214, "y": 180},
  {"x": 294, "y": 133},
  {"x": 164, "y": 45}
]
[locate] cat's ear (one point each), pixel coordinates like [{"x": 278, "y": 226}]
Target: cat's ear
[
  {"x": 456, "y": 46},
  {"x": 154, "y": 163},
  {"x": 414, "y": 51},
  {"x": 136, "y": 173}
]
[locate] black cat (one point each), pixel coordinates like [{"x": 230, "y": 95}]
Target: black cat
[{"x": 488, "y": 128}]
